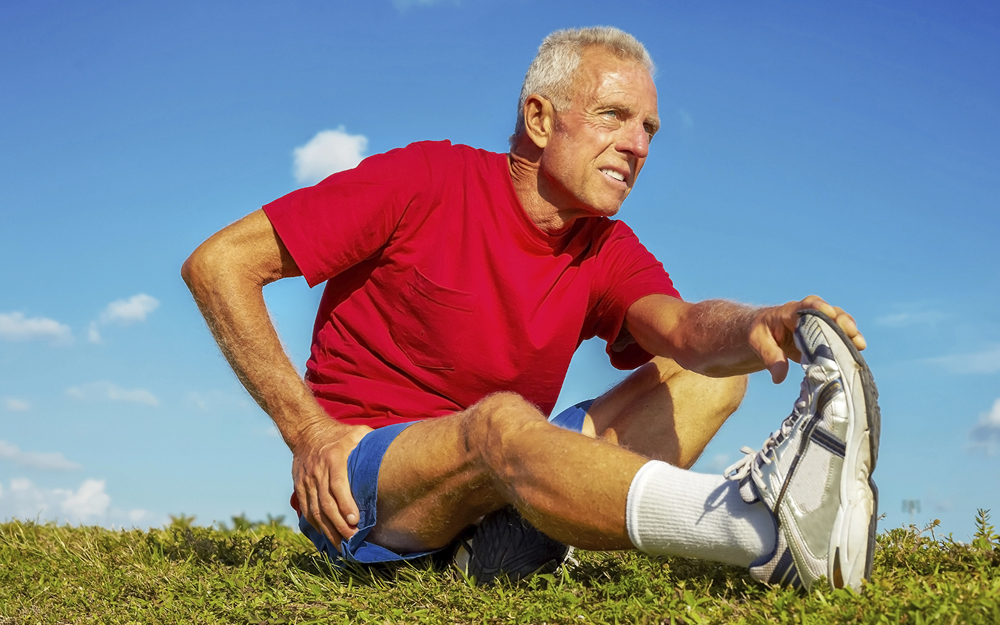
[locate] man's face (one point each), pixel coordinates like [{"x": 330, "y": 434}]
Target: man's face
[{"x": 600, "y": 143}]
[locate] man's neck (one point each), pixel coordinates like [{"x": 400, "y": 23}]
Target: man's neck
[{"x": 531, "y": 189}]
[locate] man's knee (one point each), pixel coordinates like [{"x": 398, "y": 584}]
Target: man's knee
[
  {"x": 497, "y": 425},
  {"x": 720, "y": 395},
  {"x": 730, "y": 393}
]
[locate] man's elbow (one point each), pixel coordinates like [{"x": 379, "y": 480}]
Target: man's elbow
[
  {"x": 200, "y": 266},
  {"x": 188, "y": 269}
]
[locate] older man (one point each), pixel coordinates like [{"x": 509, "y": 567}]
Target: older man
[{"x": 459, "y": 284}]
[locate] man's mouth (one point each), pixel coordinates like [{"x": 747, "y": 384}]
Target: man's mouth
[{"x": 614, "y": 174}]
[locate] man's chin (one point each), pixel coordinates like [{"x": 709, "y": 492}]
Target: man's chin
[{"x": 609, "y": 210}]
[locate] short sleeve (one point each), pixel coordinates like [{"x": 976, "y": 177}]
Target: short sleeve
[
  {"x": 626, "y": 273},
  {"x": 350, "y": 215}
]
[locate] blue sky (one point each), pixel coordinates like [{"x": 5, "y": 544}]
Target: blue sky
[{"x": 848, "y": 151}]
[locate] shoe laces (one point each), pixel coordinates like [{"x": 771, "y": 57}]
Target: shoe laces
[{"x": 815, "y": 377}]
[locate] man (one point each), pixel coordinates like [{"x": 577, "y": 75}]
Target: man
[{"x": 459, "y": 283}]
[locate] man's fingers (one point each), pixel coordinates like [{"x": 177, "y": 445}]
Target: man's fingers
[
  {"x": 334, "y": 520},
  {"x": 773, "y": 356},
  {"x": 341, "y": 503},
  {"x": 818, "y": 303},
  {"x": 850, "y": 328},
  {"x": 346, "y": 507},
  {"x": 319, "y": 507},
  {"x": 842, "y": 319},
  {"x": 779, "y": 371},
  {"x": 859, "y": 342},
  {"x": 313, "y": 511}
]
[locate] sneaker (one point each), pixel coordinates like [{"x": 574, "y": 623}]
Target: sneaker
[
  {"x": 506, "y": 544},
  {"x": 814, "y": 473}
]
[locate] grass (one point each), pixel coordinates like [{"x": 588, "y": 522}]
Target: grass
[{"x": 266, "y": 573}]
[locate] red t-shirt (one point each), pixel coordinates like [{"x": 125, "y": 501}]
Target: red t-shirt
[{"x": 440, "y": 290}]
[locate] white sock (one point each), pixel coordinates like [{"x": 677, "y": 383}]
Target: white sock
[{"x": 676, "y": 512}]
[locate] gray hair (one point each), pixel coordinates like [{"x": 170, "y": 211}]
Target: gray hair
[{"x": 551, "y": 73}]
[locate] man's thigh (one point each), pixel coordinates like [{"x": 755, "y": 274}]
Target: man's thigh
[{"x": 665, "y": 412}]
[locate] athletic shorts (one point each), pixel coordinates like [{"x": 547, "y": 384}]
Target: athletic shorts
[{"x": 362, "y": 471}]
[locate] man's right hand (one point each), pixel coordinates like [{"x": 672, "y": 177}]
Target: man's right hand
[{"x": 319, "y": 469}]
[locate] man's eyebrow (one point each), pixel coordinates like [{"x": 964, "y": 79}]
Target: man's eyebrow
[{"x": 653, "y": 123}]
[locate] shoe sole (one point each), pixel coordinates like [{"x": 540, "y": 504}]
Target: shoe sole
[
  {"x": 505, "y": 544},
  {"x": 858, "y": 510}
]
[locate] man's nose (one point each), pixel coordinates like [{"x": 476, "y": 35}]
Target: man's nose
[{"x": 634, "y": 139}]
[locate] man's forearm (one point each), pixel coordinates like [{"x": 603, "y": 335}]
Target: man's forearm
[
  {"x": 232, "y": 302},
  {"x": 254, "y": 352},
  {"x": 712, "y": 338}
]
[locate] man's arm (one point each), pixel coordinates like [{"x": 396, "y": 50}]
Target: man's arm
[
  {"x": 720, "y": 338},
  {"x": 226, "y": 275}
]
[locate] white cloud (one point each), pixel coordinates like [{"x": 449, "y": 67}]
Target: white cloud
[
  {"x": 107, "y": 390},
  {"x": 16, "y": 327},
  {"x": 89, "y": 500},
  {"x": 89, "y": 503},
  {"x": 25, "y": 500},
  {"x": 93, "y": 335},
  {"x": 327, "y": 153},
  {"x": 46, "y": 461},
  {"x": 987, "y": 361},
  {"x": 15, "y": 405},
  {"x": 135, "y": 308},
  {"x": 911, "y": 318},
  {"x": 985, "y": 435}
]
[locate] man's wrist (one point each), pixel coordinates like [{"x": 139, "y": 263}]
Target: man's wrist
[{"x": 306, "y": 431}]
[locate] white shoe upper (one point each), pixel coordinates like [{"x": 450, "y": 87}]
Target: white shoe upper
[{"x": 814, "y": 472}]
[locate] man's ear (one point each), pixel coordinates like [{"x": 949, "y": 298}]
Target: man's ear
[{"x": 539, "y": 119}]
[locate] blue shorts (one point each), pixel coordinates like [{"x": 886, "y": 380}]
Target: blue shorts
[{"x": 362, "y": 471}]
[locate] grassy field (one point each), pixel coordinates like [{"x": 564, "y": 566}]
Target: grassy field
[{"x": 266, "y": 573}]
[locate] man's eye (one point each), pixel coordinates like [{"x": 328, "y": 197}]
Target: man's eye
[{"x": 610, "y": 114}]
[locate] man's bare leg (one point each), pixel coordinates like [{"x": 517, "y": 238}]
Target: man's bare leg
[
  {"x": 665, "y": 412},
  {"x": 439, "y": 476}
]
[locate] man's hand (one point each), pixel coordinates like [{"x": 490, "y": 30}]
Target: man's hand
[
  {"x": 771, "y": 335},
  {"x": 319, "y": 470}
]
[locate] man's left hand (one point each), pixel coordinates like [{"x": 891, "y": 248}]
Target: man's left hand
[{"x": 772, "y": 334}]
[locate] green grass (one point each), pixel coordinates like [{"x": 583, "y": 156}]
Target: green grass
[{"x": 266, "y": 573}]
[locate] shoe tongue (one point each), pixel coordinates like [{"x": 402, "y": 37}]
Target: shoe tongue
[{"x": 748, "y": 491}]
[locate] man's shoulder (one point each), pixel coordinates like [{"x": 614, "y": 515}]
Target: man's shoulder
[
  {"x": 445, "y": 149},
  {"x": 428, "y": 161}
]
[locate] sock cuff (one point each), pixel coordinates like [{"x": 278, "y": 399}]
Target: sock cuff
[{"x": 633, "y": 503}]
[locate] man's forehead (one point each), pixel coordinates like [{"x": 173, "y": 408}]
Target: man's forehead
[
  {"x": 598, "y": 63},
  {"x": 594, "y": 55},
  {"x": 603, "y": 75}
]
